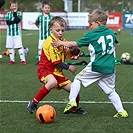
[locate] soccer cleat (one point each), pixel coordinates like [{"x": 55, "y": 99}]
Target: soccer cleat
[
  {"x": 70, "y": 105},
  {"x": 11, "y": 62},
  {"x": 121, "y": 114},
  {"x": 23, "y": 63},
  {"x": 31, "y": 106},
  {"x": 78, "y": 111}
]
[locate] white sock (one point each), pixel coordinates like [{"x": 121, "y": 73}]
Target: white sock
[
  {"x": 11, "y": 54},
  {"x": 39, "y": 53},
  {"x": 116, "y": 101},
  {"x": 21, "y": 54},
  {"x": 75, "y": 88}
]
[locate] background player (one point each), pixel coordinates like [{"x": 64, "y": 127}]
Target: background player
[
  {"x": 42, "y": 23},
  {"x": 52, "y": 63},
  {"x": 101, "y": 43},
  {"x": 14, "y": 39}
]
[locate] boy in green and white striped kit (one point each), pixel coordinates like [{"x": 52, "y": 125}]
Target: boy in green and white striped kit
[
  {"x": 14, "y": 39},
  {"x": 42, "y": 23}
]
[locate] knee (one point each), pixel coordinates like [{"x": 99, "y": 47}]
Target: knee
[{"x": 51, "y": 84}]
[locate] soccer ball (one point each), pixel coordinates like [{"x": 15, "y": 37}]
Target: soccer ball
[
  {"x": 46, "y": 114},
  {"x": 26, "y": 50},
  {"x": 125, "y": 57},
  {"x": 1, "y": 56}
]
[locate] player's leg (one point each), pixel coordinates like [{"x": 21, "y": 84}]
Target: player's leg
[
  {"x": 108, "y": 86},
  {"x": 10, "y": 46},
  {"x": 18, "y": 45},
  {"x": 50, "y": 82},
  {"x": 40, "y": 48},
  {"x": 76, "y": 109}
]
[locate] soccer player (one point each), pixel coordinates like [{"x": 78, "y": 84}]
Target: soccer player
[
  {"x": 101, "y": 43},
  {"x": 42, "y": 23},
  {"x": 52, "y": 63},
  {"x": 14, "y": 38}
]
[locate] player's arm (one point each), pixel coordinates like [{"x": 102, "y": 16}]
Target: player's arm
[
  {"x": 15, "y": 21},
  {"x": 67, "y": 67},
  {"x": 62, "y": 65},
  {"x": 37, "y": 22},
  {"x": 74, "y": 50},
  {"x": 66, "y": 44}
]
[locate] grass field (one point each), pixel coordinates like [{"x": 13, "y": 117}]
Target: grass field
[{"x": 19, "y": 84}]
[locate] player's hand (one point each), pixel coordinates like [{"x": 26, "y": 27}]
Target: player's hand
[
  {"x": 72, "y": 69},
  {"x": 56, "y": 43}
]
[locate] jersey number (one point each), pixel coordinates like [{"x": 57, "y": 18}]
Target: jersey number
[{"x": 101, "y": 41}]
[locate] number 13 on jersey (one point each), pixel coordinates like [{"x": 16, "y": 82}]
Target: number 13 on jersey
[{"x": 107, "y": 44}]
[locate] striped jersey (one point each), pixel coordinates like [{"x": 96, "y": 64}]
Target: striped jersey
[
  {"x": 43, "y": 23},
  {"x": 13, "y": 29}
]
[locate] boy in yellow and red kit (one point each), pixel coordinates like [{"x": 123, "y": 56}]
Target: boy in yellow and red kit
[{"x": 52, "y": 63}]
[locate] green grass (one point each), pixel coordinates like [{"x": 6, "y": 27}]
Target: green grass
[{"x": 21, "y": 83}]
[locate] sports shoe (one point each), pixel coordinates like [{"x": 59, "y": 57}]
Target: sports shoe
[
  {"x": 23, "y": 63},
  {"x": 70, "y": 105},
  {"x": 11, "y": 62},
  {"x": 121, "y": 114},
  {"x": 78, "y": 111},
  {"x": 31, "y": 106},
  {"x": 74, "y": 57}
]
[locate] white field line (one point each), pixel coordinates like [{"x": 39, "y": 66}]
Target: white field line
[{"x": 90, "y": 102}]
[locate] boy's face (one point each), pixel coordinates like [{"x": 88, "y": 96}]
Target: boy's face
[
  {"x": 14, "y": 7},
  {"x": 57, "y": 30},
  {"x": 46, "y": 9}
]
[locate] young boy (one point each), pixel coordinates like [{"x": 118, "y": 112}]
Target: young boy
[
  {"x": 42, "y": 23},
  {"x": 14, "y": 40},
  {"x": 52, "y": 63},
  {"x": 101, "y": 43}
]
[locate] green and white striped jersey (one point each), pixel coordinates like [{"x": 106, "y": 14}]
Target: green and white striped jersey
[
  {"x": 13, "y": 29},
  {"x": 43, "y": 23},
  {"x": 101, "y": 45}
]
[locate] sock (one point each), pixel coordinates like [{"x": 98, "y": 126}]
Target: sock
[
  {"x": 39, "y": 53},
  {"x": 75, "y": 88},
  {"x": 116, "y": 101},
  {"x": 21, "y": 54},
  {"x": 11, "y": 54},
  {"x": 40, "y": 95}
]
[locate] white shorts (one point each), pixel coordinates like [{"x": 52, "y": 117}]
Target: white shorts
[
  {"x": 40, "y": 44},
  {"x": 105, "y": 81},
  {"x": 14, "y": 42}
]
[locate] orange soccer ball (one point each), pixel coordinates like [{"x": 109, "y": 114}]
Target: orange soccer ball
[{"x": 46, "y": 114}]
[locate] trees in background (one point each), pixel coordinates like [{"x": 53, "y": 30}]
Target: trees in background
[{"x": 86, "y": 5}]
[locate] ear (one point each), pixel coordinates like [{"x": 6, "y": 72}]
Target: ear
[
  {"x": 51, "y": 30},
  {"x": 99, "y": 23}
]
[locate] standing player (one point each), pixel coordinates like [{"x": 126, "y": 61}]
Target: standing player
[
  {"x": 51, "y": 65},
  {"x": 101, "y": 43},
  {"x": 42, "y": 23},
  {"x": 14, "y": 39}
]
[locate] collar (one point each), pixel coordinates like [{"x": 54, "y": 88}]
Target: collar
[{"x": 54, "y": 38}]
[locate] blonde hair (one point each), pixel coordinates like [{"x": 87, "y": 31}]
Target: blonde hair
[
  {"x": 59, "y": 20},
  {"x": 98, "y": 15}
]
